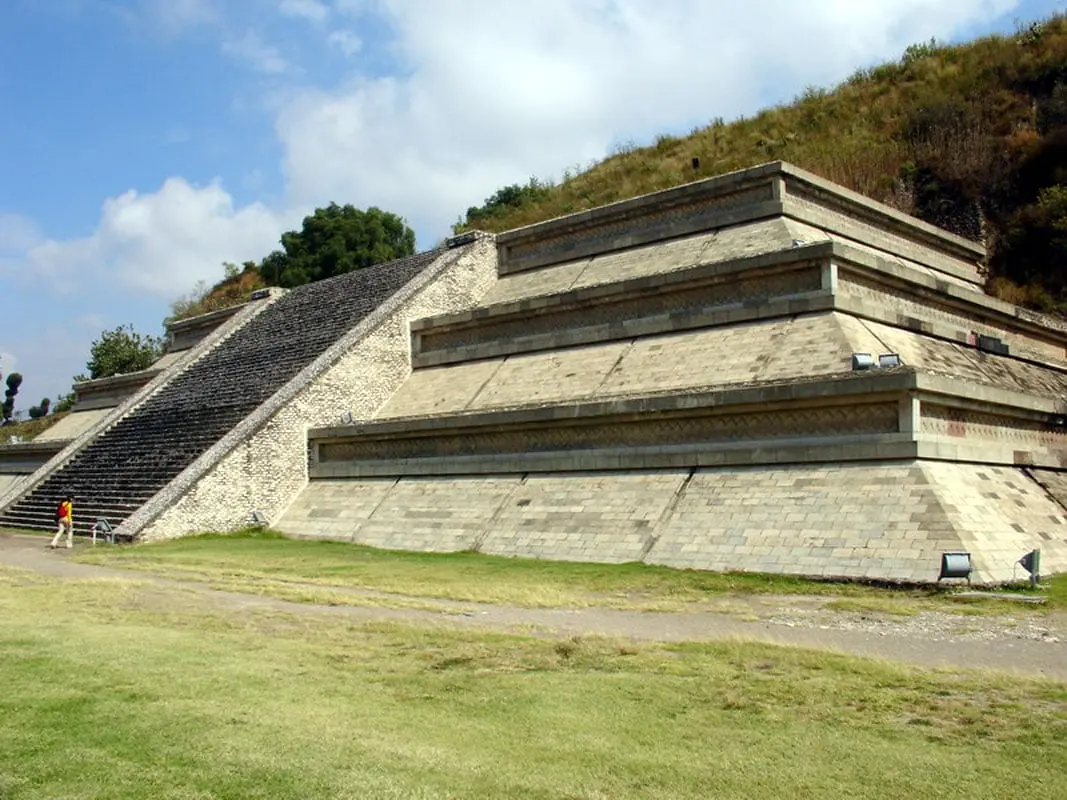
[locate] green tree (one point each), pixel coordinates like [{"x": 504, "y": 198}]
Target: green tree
[
  {"x": 36, "y": 412},
  {"x": 335, "y": 240},
  {"x": 121, "y": 350},
  {"x": 7, "y": 410},
  {"x": 65, "y": 402}
]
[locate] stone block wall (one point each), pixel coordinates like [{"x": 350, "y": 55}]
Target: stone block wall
[
  {"x": 262, "y": 463},
  {"x": 868, "y": 520}
]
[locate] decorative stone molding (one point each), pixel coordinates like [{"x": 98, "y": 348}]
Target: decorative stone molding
[
  {"x": 186, "y": 333},
  {"x": 767, "y": 190},
  {"x": 109, "y": 392},
  {"x": 684, "y": 300},
  {"x": 622, "y": 433},
  {"x": 853, "y": 416},
  {"x": 805, "y": 279},
  {"x": 23, "y": 458}
]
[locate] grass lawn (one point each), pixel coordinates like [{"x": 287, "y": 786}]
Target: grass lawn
[
  {"x": 118, "y": 689},
  {"x": 263, "y": 562}
]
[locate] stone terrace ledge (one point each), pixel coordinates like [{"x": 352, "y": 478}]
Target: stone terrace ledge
[
  {"x": 819, "y": 277},
  {"x": 185, "y": 333},
  {"x": 109, "y": 392},
  {"x": 23, "y": 458},
  {"x": 883, "y": 415},
  {"x": 774, "y": 189}
]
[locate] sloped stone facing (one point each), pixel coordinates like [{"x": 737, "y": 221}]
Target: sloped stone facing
[
  {"x": 597, "y": 517},
  {"x": 74, "y": 425},
  {"x": 865, "y": 520},
  {"x": 1000, "y": 514},
  {"x": 1054, "y": 482},
  {"x": 863, "y": 295},
  {"x": 261, "y": 464},
  {"x": 719, "y": 246},
  {"x": 787, "y": 347},
  {"x": 861, "y": 520},
  {"x": 11, "y": 482}
]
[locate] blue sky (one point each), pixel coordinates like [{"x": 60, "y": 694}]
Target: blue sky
[{"x": 144, "y": 142}]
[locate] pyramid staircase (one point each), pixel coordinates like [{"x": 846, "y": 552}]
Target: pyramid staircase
[{"x": 142, "y": 452}]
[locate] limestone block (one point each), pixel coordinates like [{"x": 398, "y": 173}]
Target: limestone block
[
  {"x": 440, "y": 390},
  {"x": 847, "y": 521},
  {"x": 435, "y": 514},
  {"x": 549, "y": 377},
  {"x": 605, "y": 517}
]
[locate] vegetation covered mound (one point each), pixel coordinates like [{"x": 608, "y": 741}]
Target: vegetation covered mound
[{"x": 972, "y": 138}]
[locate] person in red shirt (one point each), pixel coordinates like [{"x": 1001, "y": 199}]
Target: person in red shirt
[{"x": 65, "y": 522}]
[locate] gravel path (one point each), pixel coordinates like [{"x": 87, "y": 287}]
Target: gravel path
[{"x": 1025, "y": 644}]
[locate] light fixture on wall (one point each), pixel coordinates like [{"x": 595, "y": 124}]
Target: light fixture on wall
[
  {"x": 888, "y": 360},
  {"x": 259, "y": 519}
]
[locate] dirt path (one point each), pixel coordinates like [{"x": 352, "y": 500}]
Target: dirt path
[{"x": 1023, "y": 644}]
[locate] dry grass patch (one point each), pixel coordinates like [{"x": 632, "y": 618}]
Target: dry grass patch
[{"x": 267, "y": 563}]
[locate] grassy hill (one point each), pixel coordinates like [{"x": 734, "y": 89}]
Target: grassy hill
[{"x": 972, "y": 138}]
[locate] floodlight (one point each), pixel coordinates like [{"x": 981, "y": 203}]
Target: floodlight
[
  {"x": 259, "y": 519},
  {"x": 955, "y": 565},
  {"x": 862, "y": 361},
  {"x": 889, "y": 360},
  {"x": 1031, "y": 562}
]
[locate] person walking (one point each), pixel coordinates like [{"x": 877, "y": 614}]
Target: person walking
[{"x": 64, "y": 521}]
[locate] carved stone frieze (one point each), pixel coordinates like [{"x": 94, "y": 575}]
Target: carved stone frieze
[{"x": 613, "y": 432}]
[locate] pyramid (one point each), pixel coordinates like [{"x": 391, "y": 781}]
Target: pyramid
[{"x": 761, "y": 371}]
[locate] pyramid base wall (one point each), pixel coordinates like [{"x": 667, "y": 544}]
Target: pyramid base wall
[{"x": 885, "y": 520}]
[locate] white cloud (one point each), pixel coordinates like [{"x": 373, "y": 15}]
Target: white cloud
[
  {"x": 489, "y": 93},
  {"x": 345, "y": 41},
  {"x": 252, "y": 50},
  {"x": 162, "y": 243},
  {"x": 17, "y": 234},
  {"x": 312, "y": 10},
  {"x": 175, "y": 16}
]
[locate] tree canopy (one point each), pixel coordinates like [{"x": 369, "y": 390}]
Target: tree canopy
[
  {"x": 121, "y": 350},
  {"x": 335, "y": 240},
  {"x": 7, "y": 410}
]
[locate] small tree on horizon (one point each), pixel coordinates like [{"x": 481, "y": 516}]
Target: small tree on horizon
[
  {"x": 39, "y": 411},
  {"x": 7, "y": 410}
]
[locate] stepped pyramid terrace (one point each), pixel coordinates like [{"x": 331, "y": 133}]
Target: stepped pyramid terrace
[{"x": 761, "y": 371}]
